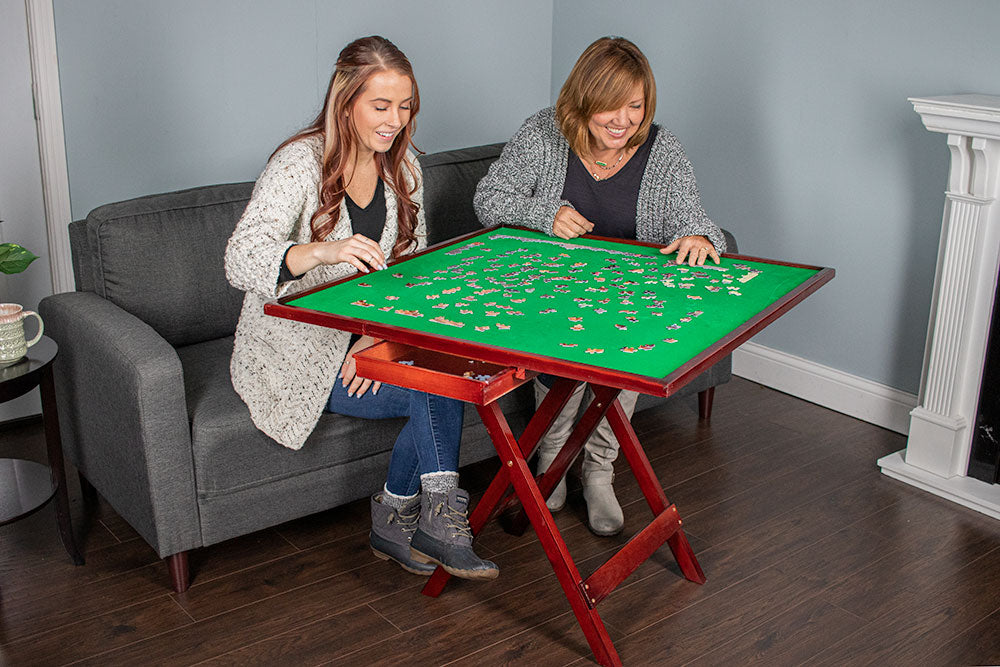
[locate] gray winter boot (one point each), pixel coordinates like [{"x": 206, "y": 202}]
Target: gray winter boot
[
  {"x": 604, "y": 514},
  {"x": 391, "y": 532},
  {"x": 444, "y": 538}
]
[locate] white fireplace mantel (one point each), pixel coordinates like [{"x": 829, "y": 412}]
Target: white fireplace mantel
[{"x": 941, "y": 426}]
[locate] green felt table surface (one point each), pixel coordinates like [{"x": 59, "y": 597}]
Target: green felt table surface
[{"x": 614, "y": 305}]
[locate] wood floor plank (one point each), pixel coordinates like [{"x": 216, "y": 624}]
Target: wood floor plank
[
  {"x": 934, "y": 539},
  {"x": 217, "y": 635},
  {"x": 914, "y": 627},
  {"x": 789, "y": 638},
  {"x": 284, "y": 574},
  {"x": 553, "y": 643},
  {"x": 48, "y": 612},
  {"x": 979, "y": 645},
  {"x": 35, "y": 577},
  {"x": 462, "y": 633},
  {"x": 313, "y": 643},
  {"x": 96, "y": 634},
  {"x": 685, "y": 636}
]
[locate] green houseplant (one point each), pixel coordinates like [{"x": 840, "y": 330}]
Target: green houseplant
[{"x": 15, "y": 258}]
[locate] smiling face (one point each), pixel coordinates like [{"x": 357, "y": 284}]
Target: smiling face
[
  {"x": 611, "y": 130},
  {"x": 381, "y": 110}
]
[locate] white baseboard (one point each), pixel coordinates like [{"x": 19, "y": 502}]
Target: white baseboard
[{"x": 863, "y": 399}]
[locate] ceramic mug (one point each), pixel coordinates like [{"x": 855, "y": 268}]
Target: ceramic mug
[{"x": 12, "y": 343}]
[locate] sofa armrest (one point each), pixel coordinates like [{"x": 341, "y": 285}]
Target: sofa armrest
[
  {"x": 731, "y": 246},
  {"x": 123, "y": 417}
]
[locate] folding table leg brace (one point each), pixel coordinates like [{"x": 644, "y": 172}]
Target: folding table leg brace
[{"x": 582, "y": 594}]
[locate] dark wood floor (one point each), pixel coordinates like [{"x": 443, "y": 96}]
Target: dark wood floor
[{"x": 812, "y": 556}]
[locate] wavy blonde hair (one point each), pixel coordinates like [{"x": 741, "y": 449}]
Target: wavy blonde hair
[
  {"x": 356, "y": 64},
  {"x": 602, "y": 80}
]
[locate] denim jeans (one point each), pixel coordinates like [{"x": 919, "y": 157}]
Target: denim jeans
[{"x": 428, "y": 442}]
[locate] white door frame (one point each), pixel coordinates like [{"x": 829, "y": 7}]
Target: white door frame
[{"x": 51, "y": 140}]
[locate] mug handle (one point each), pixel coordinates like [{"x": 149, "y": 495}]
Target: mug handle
[{"x": 41, "y": 327}]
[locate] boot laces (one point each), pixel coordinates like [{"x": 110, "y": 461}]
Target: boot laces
[
  {"x": 458, "y": 520},
  {"x": 407, "y": 522}
]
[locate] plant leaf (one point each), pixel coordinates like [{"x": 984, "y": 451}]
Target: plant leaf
[{"x": 14, "y": 258}]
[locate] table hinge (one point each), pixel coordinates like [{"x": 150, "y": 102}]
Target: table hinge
[{"x": 591, "y": 603}]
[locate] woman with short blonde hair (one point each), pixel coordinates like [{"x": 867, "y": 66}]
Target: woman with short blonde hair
[{"x": 596, "y": 163}]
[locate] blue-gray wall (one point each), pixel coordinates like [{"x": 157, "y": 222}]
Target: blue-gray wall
[
  {"x": 795, "y": 116},
  {"x": 165, "y": 95}
]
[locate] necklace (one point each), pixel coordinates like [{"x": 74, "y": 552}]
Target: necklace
[{"x": 605, "y": 167}]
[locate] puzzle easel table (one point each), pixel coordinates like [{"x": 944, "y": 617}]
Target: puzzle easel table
[{"x": 477, "y": 316}]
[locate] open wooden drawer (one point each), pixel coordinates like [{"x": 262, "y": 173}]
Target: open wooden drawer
[{"x": 467, "y": 380}]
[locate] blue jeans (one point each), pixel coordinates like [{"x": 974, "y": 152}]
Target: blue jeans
[{"x": 428, "y": 442}]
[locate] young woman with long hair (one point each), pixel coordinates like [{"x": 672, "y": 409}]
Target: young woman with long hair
[{"x": 341, "y": 196}]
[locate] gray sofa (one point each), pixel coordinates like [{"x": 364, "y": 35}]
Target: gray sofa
[{"x": 147, "y": 411}]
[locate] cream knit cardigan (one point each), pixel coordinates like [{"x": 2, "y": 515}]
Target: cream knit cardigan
[{"x": 284, "y": 370}]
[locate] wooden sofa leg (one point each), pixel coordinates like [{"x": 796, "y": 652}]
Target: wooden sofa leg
[
  {"x": 179, "y": 575},
  {"x": 705, "y": 399}
]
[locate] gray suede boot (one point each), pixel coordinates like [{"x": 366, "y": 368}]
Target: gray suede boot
[
  {"x": 604, "y": 514},
  {"x": 444, "y": 538},
  {"x": 391, "y": 532}
]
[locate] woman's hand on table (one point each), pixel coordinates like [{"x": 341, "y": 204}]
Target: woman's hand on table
[
  {"x": 569, "y": 224},
  {"x": 695, "y": 249},
  {"x": 359, "y": 251},
  {"x": 356, "y": 385}
]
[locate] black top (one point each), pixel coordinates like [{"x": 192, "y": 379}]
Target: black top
[
  {"x": 610, "y": 203},
  {"x": 369, "y": 221}
]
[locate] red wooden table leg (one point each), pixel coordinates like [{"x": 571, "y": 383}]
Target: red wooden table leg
[
  {"x": 652, "y": 490},
  {"x": 548, "y": 535}
]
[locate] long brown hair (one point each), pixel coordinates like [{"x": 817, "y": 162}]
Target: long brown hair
[
  {"x": 601, "y": 80},
  {"x": 356, "y": 64}
]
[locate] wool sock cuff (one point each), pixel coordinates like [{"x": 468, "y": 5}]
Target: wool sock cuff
[
  {"x": 392, "y": 500},
  {"x": 439, "y": 482}
]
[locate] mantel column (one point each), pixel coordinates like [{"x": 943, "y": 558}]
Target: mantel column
[{"x": 940, "y": 437}]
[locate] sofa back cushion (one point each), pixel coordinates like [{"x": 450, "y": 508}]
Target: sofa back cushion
[
  {"x": 450, "y": 180},
  {"x": 161, "y": 258}
]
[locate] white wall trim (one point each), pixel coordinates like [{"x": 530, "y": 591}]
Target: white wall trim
[
  {"x": 51, "y": 141},
  {"x": 965, "y": 491},
  {"x": 857, "y": 397}
]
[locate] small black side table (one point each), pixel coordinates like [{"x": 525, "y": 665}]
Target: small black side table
[{"x": 24, "y": 485}]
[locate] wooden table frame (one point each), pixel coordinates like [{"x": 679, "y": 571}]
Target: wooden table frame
[{"x": 582, "y": 593}]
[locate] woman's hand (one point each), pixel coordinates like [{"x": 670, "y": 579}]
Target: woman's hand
[
  {"x": 359, "y": 251},
  {"x": 569, "y": 224},
  {"x": 696, "y": 249},
  {"x": 357, "y": 386}
]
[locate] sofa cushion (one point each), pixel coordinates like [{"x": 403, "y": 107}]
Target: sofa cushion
[
  {"x": 231, "y": 455},
  {"x": 161, "y": 258},
  {"x": 450, "y": 180}
]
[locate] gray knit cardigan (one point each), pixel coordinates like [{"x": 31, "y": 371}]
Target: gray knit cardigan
[
  {"x": 284, "y": 370},
  {"x": 524, "y": 186}
]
